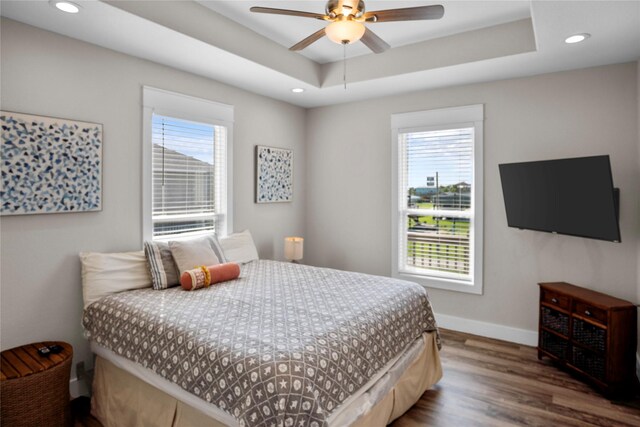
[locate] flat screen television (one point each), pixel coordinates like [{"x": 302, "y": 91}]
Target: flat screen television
[{"x": 566, "y": 196}]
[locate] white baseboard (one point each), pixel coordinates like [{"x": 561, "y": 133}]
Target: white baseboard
[
  {"x": 78, "y": 388},
  {"x": 489, "y": 330}
]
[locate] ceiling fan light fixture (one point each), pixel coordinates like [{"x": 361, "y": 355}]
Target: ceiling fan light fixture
[
  {"x": 345, "y": 31},
  {"x": 347, "y": 18}
]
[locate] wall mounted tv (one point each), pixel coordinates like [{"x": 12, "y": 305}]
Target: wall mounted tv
[{"x": 566, "y": 196}]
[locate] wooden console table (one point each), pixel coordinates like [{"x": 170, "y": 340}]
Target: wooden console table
[{"x": 589, "y": 333}]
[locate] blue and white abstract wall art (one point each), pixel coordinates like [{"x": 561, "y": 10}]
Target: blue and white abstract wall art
[
  {"x": 274, "y": 175},
  {"x": 49, "y": 165}
]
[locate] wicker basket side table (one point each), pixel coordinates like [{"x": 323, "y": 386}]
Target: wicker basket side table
[{"x": 34, "y": 389}]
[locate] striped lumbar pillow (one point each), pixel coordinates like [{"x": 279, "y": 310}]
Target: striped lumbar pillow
[
  {"x": 217, "y": 248},
  {"x": 162, "y": 268}
]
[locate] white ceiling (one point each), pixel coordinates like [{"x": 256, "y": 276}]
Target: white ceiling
[
  {"x": 188, "y": 36},
  {"x": 459, "y": 16}
]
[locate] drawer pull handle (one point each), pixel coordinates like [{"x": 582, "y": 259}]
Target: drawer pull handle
[
  {"x": 554, "y": 300},
  {"x": 587, "y": 312}
]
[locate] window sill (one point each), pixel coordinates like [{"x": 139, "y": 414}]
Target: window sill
[
  {"x": 441, "y": 283},
  {"x": 183, "y": 236}
]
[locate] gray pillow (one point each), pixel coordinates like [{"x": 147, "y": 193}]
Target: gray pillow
[
  {"x": 189, "y": 254},
  {"x": 239, "y": 247},
  {"x": 162, "y": 269}
]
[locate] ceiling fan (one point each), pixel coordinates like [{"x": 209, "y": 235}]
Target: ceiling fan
[{"x": 347, "y": 19}]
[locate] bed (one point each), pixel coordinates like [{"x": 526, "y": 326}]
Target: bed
[{"x": 283, "y": 345}]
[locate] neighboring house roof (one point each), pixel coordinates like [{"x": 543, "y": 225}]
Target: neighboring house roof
[{"x": 178, "y": 157}]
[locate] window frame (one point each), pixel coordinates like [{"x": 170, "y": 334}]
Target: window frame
[
  {"x": 433, "y": 120},
  {"x": 183, "y": 107}
]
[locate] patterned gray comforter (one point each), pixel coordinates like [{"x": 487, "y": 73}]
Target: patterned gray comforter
[{"x": 283, "y": 345}]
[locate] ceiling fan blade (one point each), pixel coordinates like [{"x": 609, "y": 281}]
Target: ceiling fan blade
[
  {"x": 406, "y": 14},
  {"x": 289, "y": 12},
  {"x": 306, "y": 42},
  {"x": 373, "y": 42}
]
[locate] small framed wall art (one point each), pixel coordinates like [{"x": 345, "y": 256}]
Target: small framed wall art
[
  {"x": 50, "y": 165},
  {"x": 274, "y": 174}
]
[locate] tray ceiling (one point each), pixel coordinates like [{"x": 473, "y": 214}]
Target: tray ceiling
[{"x": 476, "y": 41}]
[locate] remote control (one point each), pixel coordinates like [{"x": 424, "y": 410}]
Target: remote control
[
  {"x": 44, "y": 351},
  {"x": 55, "y": 348}
]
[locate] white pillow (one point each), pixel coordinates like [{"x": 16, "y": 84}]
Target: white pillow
[
  {"x": 108, "y": 273},
  {"x": 239, "y": 247},
  {"x": 189, "y": 254}
]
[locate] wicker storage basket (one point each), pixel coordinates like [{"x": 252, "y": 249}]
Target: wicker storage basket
[
  {"x": 554, "y": 345},
  {"x": 555, "y": 320},
  {"x": 589, "y": 335},
  {"x": 589, "y": 362},
  {"x": 37, "y": 399}
]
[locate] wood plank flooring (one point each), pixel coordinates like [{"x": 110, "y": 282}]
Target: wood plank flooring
[{"x": 495, "y": 383}]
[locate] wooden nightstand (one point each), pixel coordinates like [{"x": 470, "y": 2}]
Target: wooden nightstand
[{"x": 35, "y": 388}]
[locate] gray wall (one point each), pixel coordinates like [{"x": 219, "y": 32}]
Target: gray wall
[
  {"x": 47, "y": 74},
  {"x": 569, "y": 114}
]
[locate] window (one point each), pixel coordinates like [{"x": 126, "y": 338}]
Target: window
[
  {"x": 437, "y": 212},
  {"x": 186, "y": 163}
]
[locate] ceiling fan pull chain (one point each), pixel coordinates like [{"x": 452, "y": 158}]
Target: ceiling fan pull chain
[{"x": 344, "y": 61}]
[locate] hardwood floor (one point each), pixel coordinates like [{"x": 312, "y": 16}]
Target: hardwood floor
[{"x": 495, "y": 383}]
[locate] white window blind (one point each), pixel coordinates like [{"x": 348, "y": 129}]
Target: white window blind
[
  {"x": 188, "y": 176},
  {"x": 436, "y": 187}
]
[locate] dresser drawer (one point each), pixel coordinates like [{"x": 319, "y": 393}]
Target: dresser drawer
[
  {"x": 555, "y": 299},
  {"x": 590, "y": 312}
]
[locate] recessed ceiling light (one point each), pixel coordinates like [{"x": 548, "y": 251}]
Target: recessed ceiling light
[
  {"x": 65, "y": 6},
  {"x": 577, "y": 38},
  {"x": 297, "y": 90}
]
